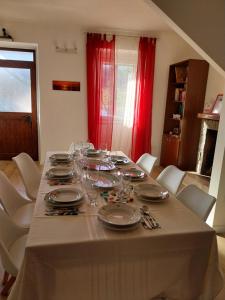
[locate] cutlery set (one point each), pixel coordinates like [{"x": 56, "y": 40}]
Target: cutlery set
[{"x": 148, "y": 221}]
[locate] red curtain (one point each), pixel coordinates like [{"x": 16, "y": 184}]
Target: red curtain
[
  {"x": 142, "y": 128},
  {"x": 100, "y": 89}
]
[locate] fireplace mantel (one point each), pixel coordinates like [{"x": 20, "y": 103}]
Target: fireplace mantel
[{"x": 214, "y": 117}]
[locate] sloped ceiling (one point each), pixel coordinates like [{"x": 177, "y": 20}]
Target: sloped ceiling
[
  {"x": 117, "y": 14},
  {"x": 202, "y": 20}
]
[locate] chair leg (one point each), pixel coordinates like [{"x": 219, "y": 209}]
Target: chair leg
[
  {"x": 8, "y": 285},
  {"x": 5, "y": 277}
]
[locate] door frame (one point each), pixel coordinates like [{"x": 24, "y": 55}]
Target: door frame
[{"x": 32, "y": 66}]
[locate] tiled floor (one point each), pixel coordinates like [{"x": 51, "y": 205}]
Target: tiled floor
[{"x": 10, "y": 170}]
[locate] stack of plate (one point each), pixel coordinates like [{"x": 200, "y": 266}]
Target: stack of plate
[
  {"x": 119, "y": 160},
  {"x": 133, "y": 174},
  {"x": 97, "y": 165},
  {"x": 66, "y": 197},
  {"x": 60, "y": 174},
  {"x": 61, "y": 158},
  {"x": 94, "y": 153},
  {"x": 119, "y": 216},
  {"x": 151, "y": 192}
]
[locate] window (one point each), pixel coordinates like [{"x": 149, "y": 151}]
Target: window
[
  {"x": 16, "y": 55},
  {"x": 126, "y": 66}
]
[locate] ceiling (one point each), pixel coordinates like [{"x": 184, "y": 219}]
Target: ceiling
[{"x": 129, "y": 15}]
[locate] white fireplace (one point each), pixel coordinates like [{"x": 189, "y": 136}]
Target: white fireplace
[{"x": 207, "y": 145}]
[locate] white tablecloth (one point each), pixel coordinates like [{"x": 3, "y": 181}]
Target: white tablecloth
[{"x": 75, "y": 257}]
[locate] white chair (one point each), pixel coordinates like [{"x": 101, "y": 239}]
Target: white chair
[
  {"x": 30, "y": 174},
  {"x": 171, "y": 178},
  {"x": 12, "y": 247},
  {"x": 197, "y": 200},
  {"x": 19, "y": 209},
  {"x": 146, "y": 162}
]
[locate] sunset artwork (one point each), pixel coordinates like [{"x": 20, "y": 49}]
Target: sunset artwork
[{"x": 65, "y": 85}]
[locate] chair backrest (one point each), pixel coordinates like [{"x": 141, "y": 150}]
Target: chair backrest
[
  {"x": 30, "y": 174},
  {"x": 10, "y": 198},
  {"x": 146, "y": 162},
  {"x": 197, "y": 200},
  {"x": 171, "y": 178},
  {"x": 9, "y": 233}
]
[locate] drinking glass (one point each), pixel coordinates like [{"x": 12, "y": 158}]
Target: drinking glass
[
  {"x": 77, "y": 168},
  {"x": 119, "y": 187},
  {"x": 88, "y": 182},
  {"x": 127, "y": 187}
]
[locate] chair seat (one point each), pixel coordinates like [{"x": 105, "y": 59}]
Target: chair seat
[
  {"x": 16, "y": 251},
  {"x": 23, "y": 215}
]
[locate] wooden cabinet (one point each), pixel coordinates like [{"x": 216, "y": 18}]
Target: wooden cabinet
[
  {"x": 185, "y": 99},
  {"x": 170, "y": 149}
]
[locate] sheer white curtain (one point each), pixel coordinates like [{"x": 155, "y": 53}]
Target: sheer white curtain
[{"x": 125, "y": 83}]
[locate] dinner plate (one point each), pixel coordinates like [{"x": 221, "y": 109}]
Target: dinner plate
[
  {"x": 97, "y": 165},
  {"x": 133, "y": 174},
  {"x": 94, "y": 152},
  {"x": 59, "y": 173},
  {"x": 61, "y": 157},
  {"x": 53, "y": 204},
  {"x": 106, "y": 181},
  {"x": 119, "y": 215},
  {"x": 119, "y": 228},
  {"x": 120, "y": 160},
  {"x": 151, "y": 192},
  {"x": 64, "y": 196}
]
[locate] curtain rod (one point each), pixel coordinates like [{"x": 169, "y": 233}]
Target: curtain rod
[{"x": 122, "y": 35}]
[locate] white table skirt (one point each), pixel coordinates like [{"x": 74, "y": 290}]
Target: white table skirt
[{"x": 75, "y": 257}]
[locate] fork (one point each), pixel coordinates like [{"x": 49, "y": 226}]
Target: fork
[{"x": 150, "y": 218}]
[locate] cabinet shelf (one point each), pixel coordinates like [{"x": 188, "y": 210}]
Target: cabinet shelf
[
  {"x": 178, "y": 83},
  {"x": 183, "y": 150},
  {"x": 176, "y": 119}
]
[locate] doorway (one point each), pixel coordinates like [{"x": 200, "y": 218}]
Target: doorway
[{"x": 18, "y": 104}]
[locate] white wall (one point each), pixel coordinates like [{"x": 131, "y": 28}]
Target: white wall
[{"x": 63, "y": 115}]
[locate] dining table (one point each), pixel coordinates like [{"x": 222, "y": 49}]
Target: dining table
[{"x": 75, "y": 257}]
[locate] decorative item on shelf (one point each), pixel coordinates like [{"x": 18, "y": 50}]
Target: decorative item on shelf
[
  {"x": 5, "y": 36},
  {"x": 65, "y": 85},
  {"x": 176, "y": 116},
  {"x": 177, "y": 94},
  {"x": 66, "y": 48},
  {"x": 180, "y": 95},
  {"x": 181, "y": 74},
  {"x": 217, "y": 106},
  {"x": 212, "y": 112},
  {"x": 176, "y": 131},
  {"x": 180, "y": 109},
  {"x": 183, "y": 95}
]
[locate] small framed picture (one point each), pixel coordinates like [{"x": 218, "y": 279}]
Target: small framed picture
[{"x": 216, "y": 108}]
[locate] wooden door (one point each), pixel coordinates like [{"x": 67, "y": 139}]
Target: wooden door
[{"x": 18, "y": 107}]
